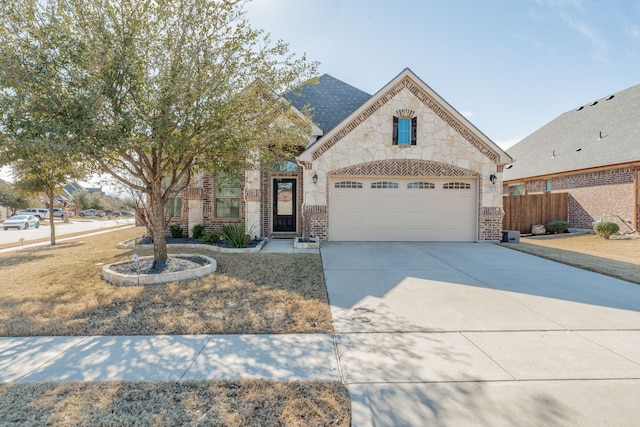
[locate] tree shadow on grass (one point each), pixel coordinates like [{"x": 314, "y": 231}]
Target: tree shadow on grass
[
  {"x": 168, "y": 403},
  {"x": 21, "y": 258}
]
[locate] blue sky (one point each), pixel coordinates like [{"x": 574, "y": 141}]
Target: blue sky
[{"x": 510, "y": 66}]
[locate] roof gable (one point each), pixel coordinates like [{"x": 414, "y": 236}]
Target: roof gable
[
  {"x": 408, "y": 80},
  {"x": 329, "y": 101},
  {"x": 600, "y": 133}
]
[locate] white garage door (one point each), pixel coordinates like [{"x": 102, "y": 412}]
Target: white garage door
[{"x": 402, "y": 209}]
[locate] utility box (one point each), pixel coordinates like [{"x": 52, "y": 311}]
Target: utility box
[{"x": 510, "y": 236}]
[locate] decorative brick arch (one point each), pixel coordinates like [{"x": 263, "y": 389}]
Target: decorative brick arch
[{"x": 404, "y": 167}]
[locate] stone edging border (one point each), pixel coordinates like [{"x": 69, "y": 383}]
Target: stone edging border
[
  {"x": 313, "y": 244},
  {"x": 121, "y": 279},
  {"x": 130, "y": 244}
]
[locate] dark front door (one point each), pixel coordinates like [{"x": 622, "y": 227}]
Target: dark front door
[{"x": 284, "y": 205}]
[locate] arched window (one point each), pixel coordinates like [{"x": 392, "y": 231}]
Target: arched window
[{"x": 285, "y": 166}]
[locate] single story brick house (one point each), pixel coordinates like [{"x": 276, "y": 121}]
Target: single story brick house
[
  {"x": 591, "y": 152},
  {"x": 401, "y": 164}
]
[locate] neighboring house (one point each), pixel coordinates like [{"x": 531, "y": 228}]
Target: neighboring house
[
  {"x": 399, "y": 165},
  {"x": 591, "y": 152}
]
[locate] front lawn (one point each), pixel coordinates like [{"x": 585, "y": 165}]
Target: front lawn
[
  {"x": 193, "y": 403},
  {"x": 60, "y": 292},
  {"x": 615, "y": 258}
]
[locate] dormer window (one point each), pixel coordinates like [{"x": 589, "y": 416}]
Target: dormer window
[{"x": 405, "y": 130}]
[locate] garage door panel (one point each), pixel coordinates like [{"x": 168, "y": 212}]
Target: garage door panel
[{"x": 388, "y": 214}]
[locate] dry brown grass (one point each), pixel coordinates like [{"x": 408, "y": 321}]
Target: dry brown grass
[
  {"x": 60, "y": 292},
  {"x": 615, "y": 258},
  {"x": 201, "y": 403}
]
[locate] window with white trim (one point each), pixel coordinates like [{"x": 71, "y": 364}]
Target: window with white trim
[
  {"x": 174, "y": 207},
  {"x": 516, "y": 190},
  {"x": 227, "y": 196}
]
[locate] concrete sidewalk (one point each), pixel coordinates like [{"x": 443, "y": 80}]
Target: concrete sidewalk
[{"x": 168, "y": 358}]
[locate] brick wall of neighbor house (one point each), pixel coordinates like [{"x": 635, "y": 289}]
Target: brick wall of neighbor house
[{"x": 593, "y": 195}]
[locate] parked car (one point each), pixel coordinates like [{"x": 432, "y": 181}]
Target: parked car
[
  {"x": 41, "y": 213},
  {"x": 111, "y": 212},
  {"x": 59, "y": 213},
  {"x": 92, "y": 212},
  {"x": 21, "y": 221},
  {"x": 125, "y": 213}
]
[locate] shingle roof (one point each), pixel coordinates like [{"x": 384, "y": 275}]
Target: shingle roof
[
  {"x": 329, "y": 102},
  {"x": 600, "y": 133}
]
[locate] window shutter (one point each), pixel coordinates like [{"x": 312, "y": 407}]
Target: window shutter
[
  {"x": 414, "y": 130},
  {"x": 395, "y": 130}
]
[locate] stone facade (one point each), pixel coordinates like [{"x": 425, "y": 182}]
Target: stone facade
[{"x": 444, "y": 147}]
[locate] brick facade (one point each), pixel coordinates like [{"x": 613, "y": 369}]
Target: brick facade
[
  {"x": 603, "y": 194},
  {"x": 204, "y": 189}
]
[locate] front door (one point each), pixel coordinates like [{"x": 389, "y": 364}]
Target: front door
[{"x": 284, "y": 205}]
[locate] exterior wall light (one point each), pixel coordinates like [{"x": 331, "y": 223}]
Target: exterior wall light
[
  {"x": 315, "y": 178},
  {"x": 493, "y": 178}
]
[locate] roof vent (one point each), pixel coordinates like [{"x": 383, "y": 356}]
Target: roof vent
[
  {"x": 593, "y": 103},
  {"x": 610, "y": 97},
  {"x": 578, "y": 149},
  {"x": 581, "y": 107}
]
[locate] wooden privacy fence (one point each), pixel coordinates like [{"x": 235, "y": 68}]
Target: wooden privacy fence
[{"x": 523, "y": 212}]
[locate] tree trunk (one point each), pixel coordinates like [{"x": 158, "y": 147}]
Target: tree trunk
[
  {"x": 52, "y": 227},
  {"x": 158, "y": 231}
]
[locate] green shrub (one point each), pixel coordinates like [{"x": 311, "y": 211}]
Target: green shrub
[
  {"x": 236, "y": 235},
  {"x": 175, "y": 230},
  {"x": 557, "y": 227},
  {"x": 606, "y": 229},
  {"x": 198, "y": 231},
  {"x": 210, "y": 237}
]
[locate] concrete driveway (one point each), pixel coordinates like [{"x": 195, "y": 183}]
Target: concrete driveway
[{"x": 477, "y": 334}]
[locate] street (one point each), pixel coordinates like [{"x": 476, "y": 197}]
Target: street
[{"x": 74, "y": 226}]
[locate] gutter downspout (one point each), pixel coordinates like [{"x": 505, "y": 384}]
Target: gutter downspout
[
  {"x": 304, "y": 199},
  {"x": 635, "y": 199}
]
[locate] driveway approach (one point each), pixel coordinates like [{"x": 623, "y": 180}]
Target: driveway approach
[{"x": 478, "y": 334}]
